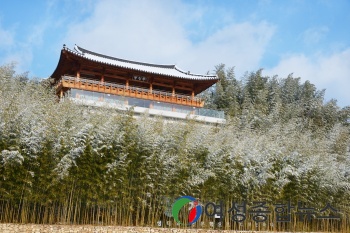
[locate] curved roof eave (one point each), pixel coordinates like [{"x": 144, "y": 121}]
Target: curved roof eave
[{"x": 166, "y": 70}]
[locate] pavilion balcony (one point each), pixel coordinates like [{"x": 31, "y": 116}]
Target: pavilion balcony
[
  {"x": 127, "y": 91},
  {"x": 94, "y": 93}
]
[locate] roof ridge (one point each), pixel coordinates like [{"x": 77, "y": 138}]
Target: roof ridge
[
  {"x": 123, "y": 60},
  {"x": 189, "y": 73}
]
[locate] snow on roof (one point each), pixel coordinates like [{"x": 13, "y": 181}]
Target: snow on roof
[{"x": 167, "y": 70}]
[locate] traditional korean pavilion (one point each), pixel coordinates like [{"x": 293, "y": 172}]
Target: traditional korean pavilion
[{"x": 95, "y": 79}]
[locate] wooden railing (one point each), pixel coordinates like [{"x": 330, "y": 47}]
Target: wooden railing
[{"x": 130, "y": 91}]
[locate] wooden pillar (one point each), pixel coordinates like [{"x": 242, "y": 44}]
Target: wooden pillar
[
  {"x": 173, "y": 91},
  {"x": 192, "y": 95},
  {"x": 103, "y": 75},
  {"x": 78, "y": 74},
  {"x": 126, "y": 102},
  {"x": 150, "y": 88}
]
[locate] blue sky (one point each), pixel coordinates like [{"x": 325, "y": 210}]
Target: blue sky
[{"x": 309, "y": 38}]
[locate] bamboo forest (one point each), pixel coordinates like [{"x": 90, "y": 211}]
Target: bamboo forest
[{"x": 283, "y": 143}]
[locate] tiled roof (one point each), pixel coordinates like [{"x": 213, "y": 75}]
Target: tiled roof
[{"x": 167, "y": 70}]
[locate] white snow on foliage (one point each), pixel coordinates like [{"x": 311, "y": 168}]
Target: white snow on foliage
[{"x": 11, "y": 157}]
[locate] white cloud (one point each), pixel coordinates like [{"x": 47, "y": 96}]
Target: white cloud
[
  {"x": 7, "y": 42},
  {"x": 159, "y": 32},
  {"x": 241, "y": 45},
  {"x": 17, "y": 47},
  {"x": 314, "y": 35},
  {"x": 134, "y": 30},
  {"x": 330, "y": 72},
  {"x": 22, "y": 58},
  {"x": 6, "y": 38}
]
